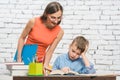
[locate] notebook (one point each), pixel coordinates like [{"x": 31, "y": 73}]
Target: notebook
[{"x": 28, "y": 53}]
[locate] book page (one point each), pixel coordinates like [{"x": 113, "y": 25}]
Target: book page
[
  {"x": 60, "y": 72},
  {"x": 73, "y": 72},
  {"x": 57, "y": 72},
  {"x": 14, "y": 63}
]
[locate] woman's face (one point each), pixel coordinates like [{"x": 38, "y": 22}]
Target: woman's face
[
  {"x": 74, "y": 52},
  {"x": 53, "y": 19}
]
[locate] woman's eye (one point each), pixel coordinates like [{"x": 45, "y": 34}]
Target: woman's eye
[{"x": 73, "y": 51}]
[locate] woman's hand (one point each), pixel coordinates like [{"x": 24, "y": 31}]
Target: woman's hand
[
  {"x": 46, "y": 70},
  {"x": 19, "y": 59}
]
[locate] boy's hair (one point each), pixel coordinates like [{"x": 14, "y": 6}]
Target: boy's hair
[
  {"x": 81, "y": 43},
  {"x": 51, "y": 8}
]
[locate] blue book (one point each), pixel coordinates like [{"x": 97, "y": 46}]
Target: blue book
[{"x": 28, "y": 53}]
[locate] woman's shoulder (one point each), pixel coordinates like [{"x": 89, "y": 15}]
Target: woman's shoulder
[
  {"x": 32, "y": 21},
  {"x": 62, "y": 31}
]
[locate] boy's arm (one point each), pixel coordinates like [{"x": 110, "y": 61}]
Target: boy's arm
[
  {"x": 56, "y": 64},
  {"x": 85, "y": 59},
  {"x": 89, "y": 68}
]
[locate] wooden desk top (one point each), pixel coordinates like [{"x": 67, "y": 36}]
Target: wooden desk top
[{"x": 67, "y": 77}]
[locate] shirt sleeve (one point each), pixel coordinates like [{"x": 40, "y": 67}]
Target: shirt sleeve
[
  {"x": 88, "y": 70},
  {"x": 56, "y": 64}
]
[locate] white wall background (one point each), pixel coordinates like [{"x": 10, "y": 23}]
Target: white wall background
[{"x": 97, "y": 20}]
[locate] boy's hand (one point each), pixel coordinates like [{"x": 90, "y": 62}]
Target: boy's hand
[
  {"x": 65, "y": 69},
  {"x": 86, "y": 61},
  {"x": 83, "y": 54}
]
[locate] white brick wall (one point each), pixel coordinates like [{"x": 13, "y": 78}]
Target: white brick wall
[{"x": 97, "y": 20}]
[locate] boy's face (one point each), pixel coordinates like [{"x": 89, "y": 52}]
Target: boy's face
[{"x": 74, "y": 53}]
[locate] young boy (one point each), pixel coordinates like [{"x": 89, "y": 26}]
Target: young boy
[{"x": 75, "y": 59}]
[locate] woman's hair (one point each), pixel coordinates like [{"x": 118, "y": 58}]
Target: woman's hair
[
  {"x": 80, "y": 43},
  {"x": 51, "y": 8}
]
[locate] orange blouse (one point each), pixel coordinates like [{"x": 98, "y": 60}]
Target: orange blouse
[{"x": 42, "y": 36}]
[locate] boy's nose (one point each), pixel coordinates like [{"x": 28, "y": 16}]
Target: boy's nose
[{"x": 74, "y": 54}]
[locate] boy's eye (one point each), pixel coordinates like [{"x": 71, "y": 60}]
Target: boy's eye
[{"x": 75, "y": 52}]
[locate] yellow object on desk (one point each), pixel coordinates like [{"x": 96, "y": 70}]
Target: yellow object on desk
[{"x": 35, "y": 69}]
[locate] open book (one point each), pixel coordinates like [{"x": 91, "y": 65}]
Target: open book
[{"x": 60, "y": 72}]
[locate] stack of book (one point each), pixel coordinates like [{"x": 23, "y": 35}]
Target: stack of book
[{"x": 17, "y": 69}]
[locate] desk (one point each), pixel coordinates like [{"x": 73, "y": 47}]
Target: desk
[{"x": 64, "y": 77}]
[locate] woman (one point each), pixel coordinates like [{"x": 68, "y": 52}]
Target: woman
[{"x": 44, "y": 31}]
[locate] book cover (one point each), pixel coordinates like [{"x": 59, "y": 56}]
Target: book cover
[
  {"x": 19, "y": 72},
  {"x": 9, "y": 65},
  {"x": 14, "y": 63},
  {"x": 28, "y": 53},
  {"x": 19, "y": 67}
]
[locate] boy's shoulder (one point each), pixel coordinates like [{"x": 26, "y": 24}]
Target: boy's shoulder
[{"x": 63, "y": 55}]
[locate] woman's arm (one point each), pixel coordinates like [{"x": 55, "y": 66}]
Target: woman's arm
[
  {"x": 23, "y": 37},
  {"x": 52, "y": 48}
]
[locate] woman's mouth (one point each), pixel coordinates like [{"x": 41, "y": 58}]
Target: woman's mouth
[{"x": 54, "y": 23}]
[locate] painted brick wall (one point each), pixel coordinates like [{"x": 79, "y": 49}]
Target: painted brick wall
[{"x": 97, "y": 20}]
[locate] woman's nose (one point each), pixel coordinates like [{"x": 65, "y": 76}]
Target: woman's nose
[{"x": 56, "y": 21}]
